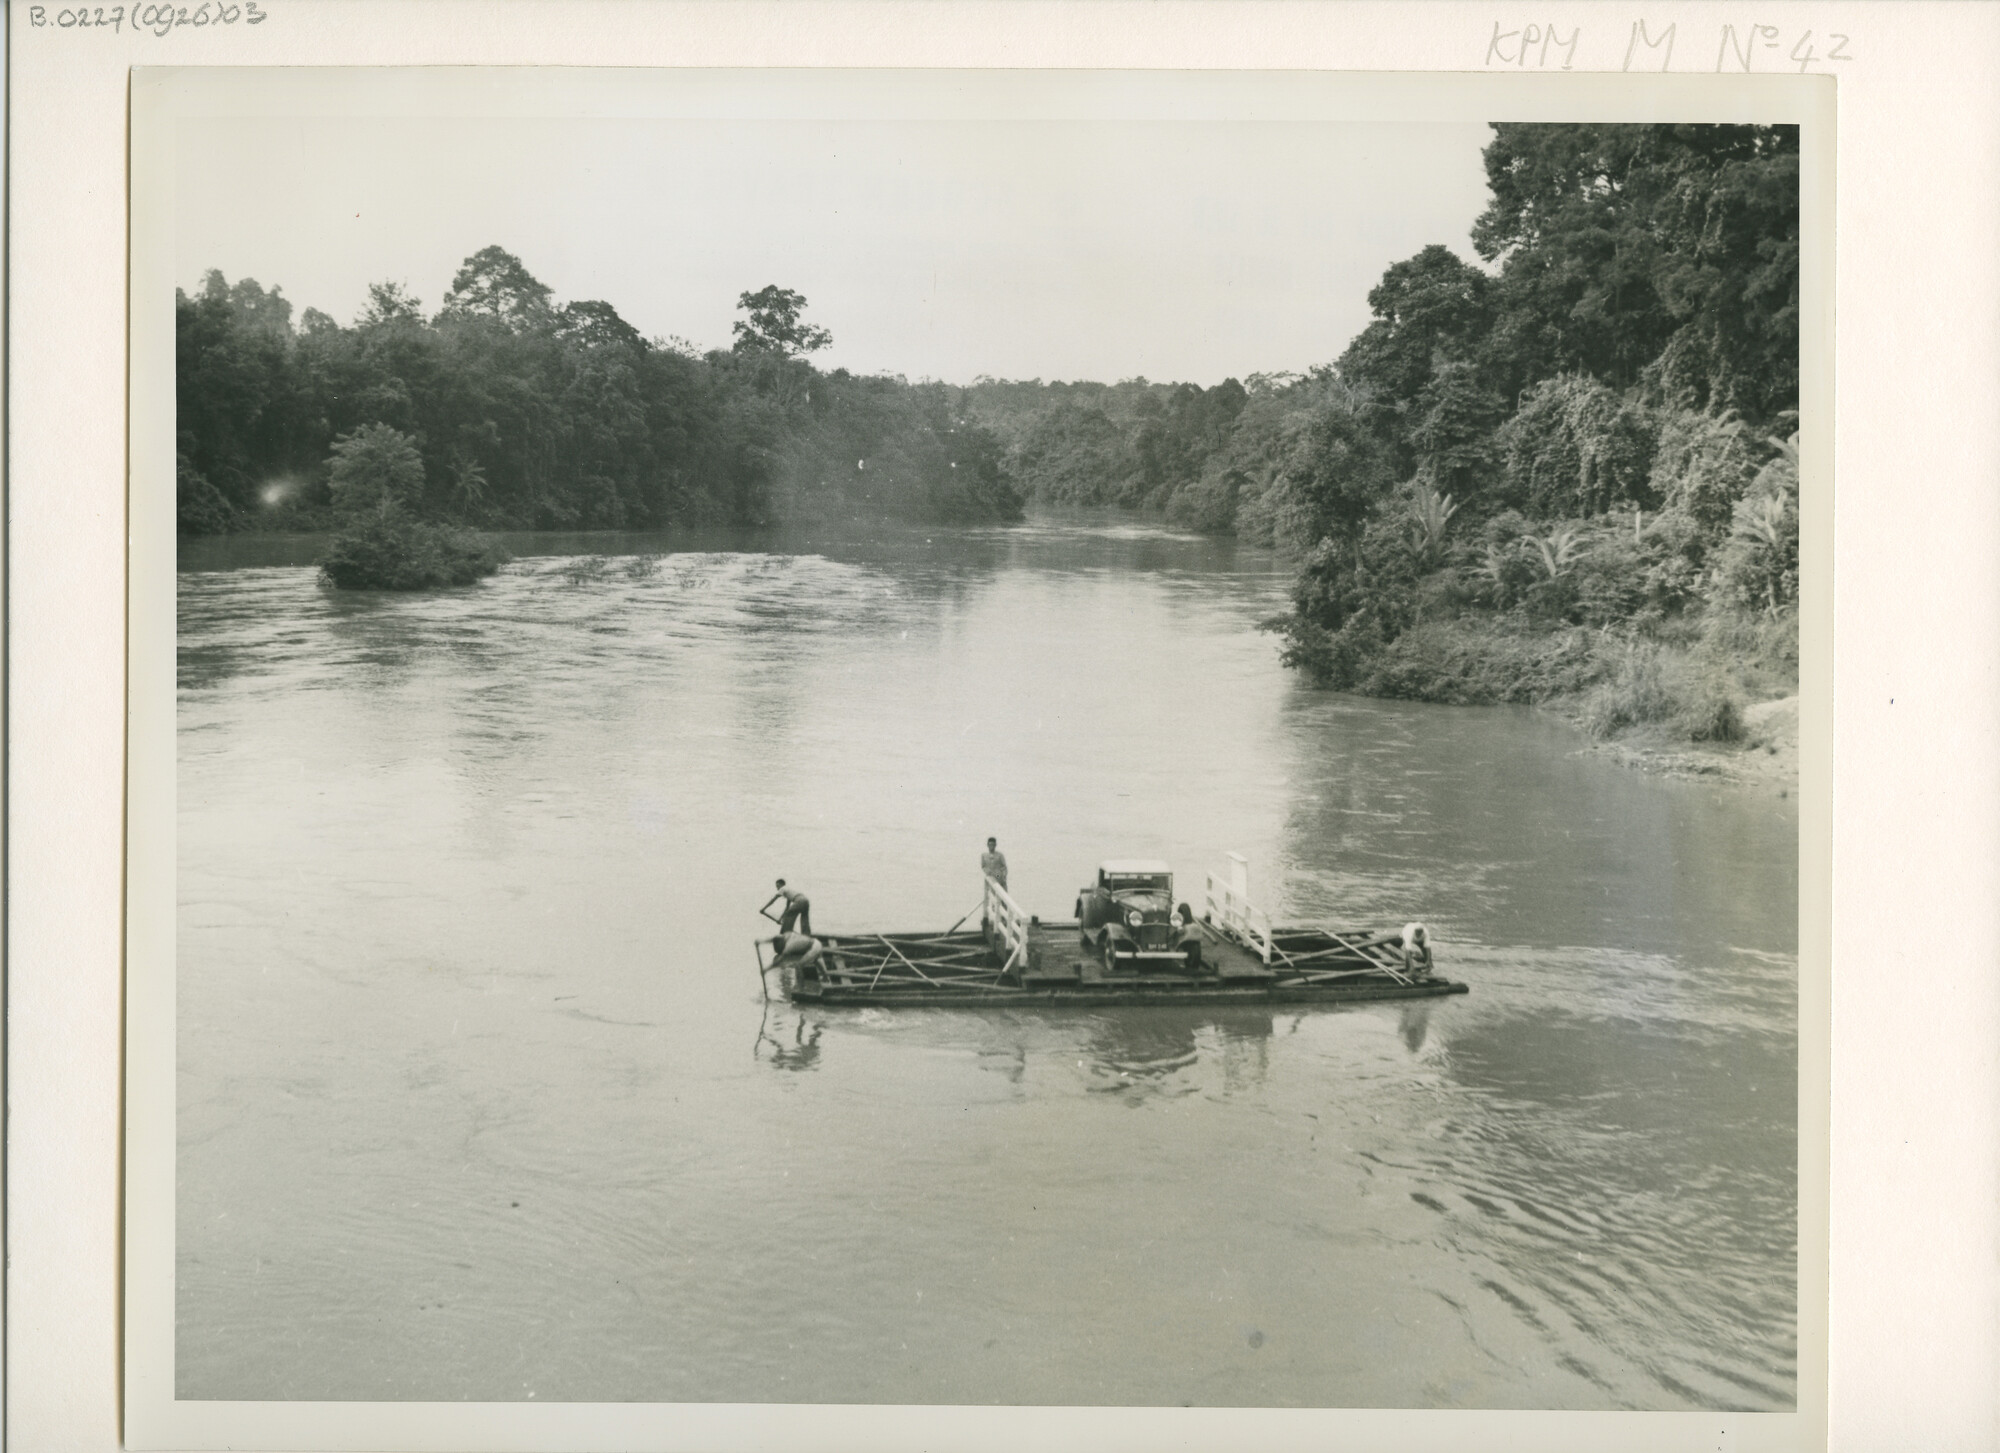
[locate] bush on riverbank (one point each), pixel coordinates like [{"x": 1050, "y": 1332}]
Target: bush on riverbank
[
  {"x": 1463, "y": 662},
  {"x": 1675, "y": 621},
  {"x": 1695, "y": 681},
  {"x": 199, "y": 507},
  {"x": 1655, "y": 685}
]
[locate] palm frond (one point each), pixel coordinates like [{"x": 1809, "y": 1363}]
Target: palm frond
[
  {"x": 1430, "y": 513},
  {"x": 1556, "y": 550}
]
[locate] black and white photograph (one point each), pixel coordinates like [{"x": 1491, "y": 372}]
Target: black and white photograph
[{"x": 1044, "y": 739}]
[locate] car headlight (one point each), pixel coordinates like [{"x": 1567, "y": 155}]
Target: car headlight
[{"x": 1134, "y": 917}]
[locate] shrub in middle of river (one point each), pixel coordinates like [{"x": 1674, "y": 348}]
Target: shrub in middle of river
[
  {"x": 391, "y": 551},
  {"x": 374, "y": 475}
]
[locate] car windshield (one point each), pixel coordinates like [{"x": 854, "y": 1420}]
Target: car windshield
[{"x": 1138, "y": 882}]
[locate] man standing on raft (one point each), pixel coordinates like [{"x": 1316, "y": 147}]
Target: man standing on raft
[
  {"x": 993, "y": 863},
  {"x": 798, "y": 909}
]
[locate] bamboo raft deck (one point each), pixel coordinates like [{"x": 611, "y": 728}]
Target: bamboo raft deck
[{"x": 1050, "y": 966}]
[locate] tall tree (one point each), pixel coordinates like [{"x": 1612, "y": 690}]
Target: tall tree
[
  {"x": 593, "y": 324},
  {"x": 773, "y": 324},
  {"x": 1451, "y": 428},
  {"x": 389, "y": 302},
  {"x": 493, "y": 283},
  {"x": 1337, "y": 474},
  {"x": 1433, "y": 313}
]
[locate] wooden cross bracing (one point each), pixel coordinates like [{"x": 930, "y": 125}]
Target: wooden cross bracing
[{"x": 944, "y": 961}]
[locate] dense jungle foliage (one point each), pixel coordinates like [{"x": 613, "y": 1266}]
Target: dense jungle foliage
[
  {"x": 525, "y": 413},
  {"x": 1571, "y": 473}
]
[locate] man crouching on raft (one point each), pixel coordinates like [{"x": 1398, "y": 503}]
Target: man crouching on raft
[
  {"x": 1416, "y": 944},
  {"x": 804, "y": 945}
]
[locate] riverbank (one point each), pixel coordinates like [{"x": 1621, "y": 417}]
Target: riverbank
[
  {"x": 1715, "y": 696},
  {"x": 1766, "y": 756}
]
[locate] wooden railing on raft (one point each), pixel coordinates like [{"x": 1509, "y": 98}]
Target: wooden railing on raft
[
  {"x": 1318, "y": 955},
  {"x": 1313, "y": 955},
  {"x": 904, "y": 960},
  {"x": 1231, "y": 912},
  {"x": 1007, "y": 920}
]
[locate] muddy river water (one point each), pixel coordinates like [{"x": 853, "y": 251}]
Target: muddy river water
[{"x": 478, "y": 1097}]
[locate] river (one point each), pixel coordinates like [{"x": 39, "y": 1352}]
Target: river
[{"x": 478, "y": 1097}]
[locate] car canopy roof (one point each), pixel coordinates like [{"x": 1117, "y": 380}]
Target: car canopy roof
[{"x": 1122, "y": 866}]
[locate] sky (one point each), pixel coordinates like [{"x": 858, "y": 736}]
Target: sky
[{"x": 1080, "y": 249}]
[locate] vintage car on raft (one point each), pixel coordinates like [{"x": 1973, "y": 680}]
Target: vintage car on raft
[{"x": 1128, "y": 917}]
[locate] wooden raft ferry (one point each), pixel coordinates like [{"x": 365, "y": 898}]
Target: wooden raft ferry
[{"x": 1018, "y": 959}]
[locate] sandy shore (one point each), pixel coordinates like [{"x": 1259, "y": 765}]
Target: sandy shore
[{"x": 1767, "y": 757}]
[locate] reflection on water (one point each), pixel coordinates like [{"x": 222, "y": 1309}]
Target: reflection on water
[
  {"x": 1134, "y": 1053},
  {"x": 789, "y": 1043},
  {"x": 467, "y": 887},
  {"x": 1413, "y": 1022}
]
